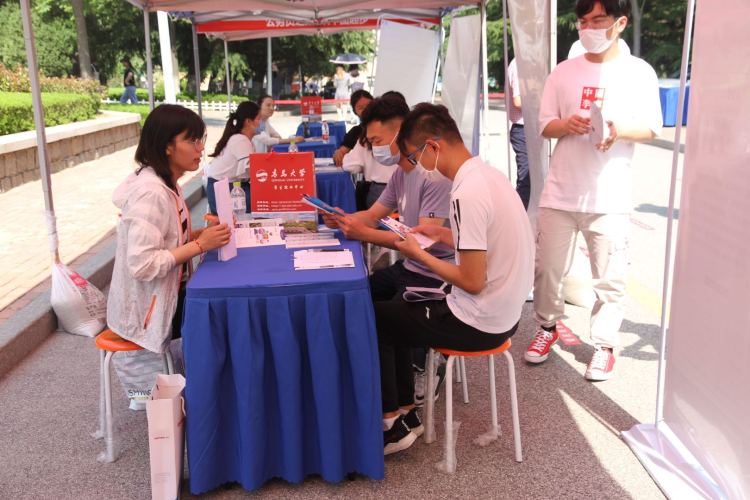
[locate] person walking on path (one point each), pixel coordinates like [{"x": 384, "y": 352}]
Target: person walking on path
[
  {"x": 517, "y": 134},
  {"x": 342, "y": 82},
  {"x": 597, "y": 106},
  {"x": 128, "y": 81}
]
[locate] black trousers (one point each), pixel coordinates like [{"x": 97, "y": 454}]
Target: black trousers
[
  {"x": 523, "y": 182},
  {"x": 404, "y": 325}
]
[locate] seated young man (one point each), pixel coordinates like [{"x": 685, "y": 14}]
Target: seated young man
[
  {"x": 491, "y": 277},
  {"x": 417, "y": 200}
]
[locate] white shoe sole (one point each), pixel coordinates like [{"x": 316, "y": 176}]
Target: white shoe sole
[
  {"x": 418, "y": 431},
  {"x": 535, "y": 359},
  {"x": 405, "y": 442},
  {"x": 598, "y": 377}
]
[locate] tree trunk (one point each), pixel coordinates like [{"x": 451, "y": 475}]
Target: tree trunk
[
  {"x": 636, "y": 18},
  {"x": 84, "y": 58}
]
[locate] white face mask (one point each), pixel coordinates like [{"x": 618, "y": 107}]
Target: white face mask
[
  {"x": 383, "y": 154},
  {"x": 595, "y": 41},
  {"x": 431, "y": 175}
]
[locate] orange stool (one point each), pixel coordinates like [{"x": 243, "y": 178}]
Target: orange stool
[
  {"x": 108, "y": 342},
  {"x": 494, "y": 432}
]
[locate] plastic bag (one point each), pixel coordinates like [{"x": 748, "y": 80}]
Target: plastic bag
[
  {"x": 137, "y": 371},
  {"x": 81, "y": 308}
]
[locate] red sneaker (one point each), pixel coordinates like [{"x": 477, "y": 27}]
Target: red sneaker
[
  {"x": 602, "y": 365},
  {"x": 538, "y": 350}
]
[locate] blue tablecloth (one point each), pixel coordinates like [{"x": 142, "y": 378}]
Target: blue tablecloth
[
  {"x": 669, "y": 94},
  {"x": 336, "y": 189},
  {"x": 321, "y": 149},
  {"x": 336, "y": 130},
  {"x": 283, "y": 377}
]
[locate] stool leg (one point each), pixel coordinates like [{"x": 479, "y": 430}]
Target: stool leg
[
  {"x": 429, "y": 420},
  {"x": 495, "y": 430},
  {"x": 514, "y": 406},
  {"x": 464, "y": 382},
  {"x": 450, "y": 447},
  {"x": 99, "y": 433},
  {"x": 458, "y": 372},
  {"x": 109, "y": 454},
  {"x": 168, "y": 363}
]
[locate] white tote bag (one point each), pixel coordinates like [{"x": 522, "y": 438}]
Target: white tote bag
[{"x": 165, "y": 411}]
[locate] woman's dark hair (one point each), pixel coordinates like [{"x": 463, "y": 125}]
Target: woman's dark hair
[
  {"x": 247, "y": 110},
  {"x": 263, "y": 98},
  {"x": 359, "y": 94},
  {"x": 382, "y": 109},
  {"x": 428, "y": 121},
  {"x": 614, "y": 8},
  {"x": 162, "y": 125}
]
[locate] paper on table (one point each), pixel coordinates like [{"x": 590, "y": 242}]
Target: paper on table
[
  {"x": 599, "y": 127},
  {"x": 402, "y": 230},
  {"x": 258, "y": 236},
  {"x": 305, "y": 240},
  {"x": 323, "y": 162},
  {"x": 323, "y": 259},
  {"x": 226, "y": 216}
]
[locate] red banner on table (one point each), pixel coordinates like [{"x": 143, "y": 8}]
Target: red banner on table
[
  {"x": 279, "y": 180},
  {"x": 311, "y": 105}
]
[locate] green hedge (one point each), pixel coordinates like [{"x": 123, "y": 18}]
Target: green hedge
[
  {"x": 141, "y": 109},
  {"x": 17, "y": 114},
  {"x": 114, "y": 93}
]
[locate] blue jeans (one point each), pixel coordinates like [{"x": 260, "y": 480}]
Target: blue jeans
[
  {"x": 129, "y": 94},
  {"x": 523, "y": 183}
]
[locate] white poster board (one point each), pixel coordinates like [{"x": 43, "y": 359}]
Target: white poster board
[
  {"x": 406, "y": 61},
  {"x": 701, "y": 449},
  {"x": 460, "y": 92}
]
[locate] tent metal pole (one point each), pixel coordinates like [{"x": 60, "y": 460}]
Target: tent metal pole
[
  {"x": 149, "y": 64},
  {"x": 439, "y": 59},
  {"x": 229, "y": 79},
  {"x": 508, "y": 90},
  {"x": 552, "y": 34},
  {"x": 197, "y": 61},
  {"x": 667, "y": 283},
  {"x": 41, "y": 138},
  {"x": 269, "y": 68},
  {"x": 485, "y": 86}
]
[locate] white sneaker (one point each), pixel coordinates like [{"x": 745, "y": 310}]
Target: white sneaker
[{"x": 601, "y": 366}]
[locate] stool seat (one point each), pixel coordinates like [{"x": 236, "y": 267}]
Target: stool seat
[
  {"x": 110, "y": 341},
  {"x": 497, "y": 350}
]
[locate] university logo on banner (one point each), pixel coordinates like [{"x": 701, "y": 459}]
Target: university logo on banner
[{"x": 278, "y": 182}]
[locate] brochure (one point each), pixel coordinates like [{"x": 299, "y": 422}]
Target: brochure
[
  {"x": 599, "y": 127},
  {"x": 259, "y": 233},
  {"x": 323, "y": 259},
  {"x": 402, "y": 230},
  {"x": 326, "y": 239},
  {"x": 320, "y": 205}
]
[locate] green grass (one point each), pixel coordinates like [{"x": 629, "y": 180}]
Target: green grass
[{"x": 141, "y": 109}]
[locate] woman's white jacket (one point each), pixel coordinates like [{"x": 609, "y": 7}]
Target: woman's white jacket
[{"x": 146, "y": 278}]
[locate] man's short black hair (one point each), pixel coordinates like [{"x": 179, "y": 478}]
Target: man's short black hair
[
  {"x": 614, "y": 8},
  {"x": 382, "y": 109},
  {"x": 357, "y": 95},
  {"x": 394, "y": 93},
  {"x": 428, "y": 121}
]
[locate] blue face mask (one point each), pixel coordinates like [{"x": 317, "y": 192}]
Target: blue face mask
[{"x": 383, "y": 154}]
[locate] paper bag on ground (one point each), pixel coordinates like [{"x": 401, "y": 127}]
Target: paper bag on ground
[{"x": 166, "y": 427}]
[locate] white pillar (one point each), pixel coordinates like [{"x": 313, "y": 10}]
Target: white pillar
[
  {"x": 197, "y": 61},
  {"x": 229, "y": 78},
  {"x": 508, "y": 90},
  {"x": 269, "y": 69},
  {"x": 485, "y": 85},
  {"x": 149, "y": 63},
  {"x": 165, "y": 45}
]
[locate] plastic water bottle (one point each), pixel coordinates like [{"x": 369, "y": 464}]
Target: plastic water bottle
[
  {"x": 324, "y": 130},
  {"x": 293, "y": 147},
  {"x": 239, "y": 204}
]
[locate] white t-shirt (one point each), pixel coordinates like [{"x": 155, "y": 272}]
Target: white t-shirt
[
  {"x": 265, "y": 137},
  {"x": 581, "y": 178},
  {"x": 233, "y": 161},
  {"x": 360, "y": 159},
  {"x": 513, "y": 89},
  {"x": 487, "y": 214}
]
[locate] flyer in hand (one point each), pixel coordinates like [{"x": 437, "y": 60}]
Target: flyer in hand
[
  {"x": 402, "y": 230},
  {"x": 321, "y": 205}
]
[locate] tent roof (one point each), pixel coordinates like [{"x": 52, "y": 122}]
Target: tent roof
[{"x": 295, "y": 9}]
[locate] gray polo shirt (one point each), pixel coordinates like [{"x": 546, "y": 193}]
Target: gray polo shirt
[{"x": 415, "y": 196}]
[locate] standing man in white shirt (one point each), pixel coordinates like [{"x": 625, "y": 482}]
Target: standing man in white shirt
[
  {"x": 589, "y": 185},
  {"x": 491, "y": 276}
]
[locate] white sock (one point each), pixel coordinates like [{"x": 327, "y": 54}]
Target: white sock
[{"x": 388, "y": 422}]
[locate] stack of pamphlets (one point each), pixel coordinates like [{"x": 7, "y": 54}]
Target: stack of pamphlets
[
  {"x": 402, "y": 230},
  {"x": 324, "y": 239},
  {"x": 323, "y": 259}
]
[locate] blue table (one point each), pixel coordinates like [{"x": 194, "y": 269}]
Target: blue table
[
  {"x": 321, "y": 149},
  {"x": 336, "y": 189},
  {"x": 283, "y": 376},
  {"x": 336, "y": 130},
  {"x": 669, "y": 94}
]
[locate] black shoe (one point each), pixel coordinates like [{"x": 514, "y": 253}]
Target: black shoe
[
  {"x": 413, "y": 422},
  {"x": 398, "y": 437},
  {"x": 420, "y": 384}
]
